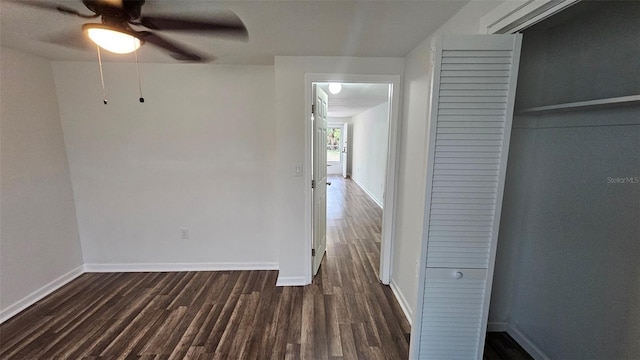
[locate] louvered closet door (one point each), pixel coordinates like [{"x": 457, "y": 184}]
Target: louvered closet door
[
  {"x": 472, "y": 106},
  {"x": 451, "y": 315}
]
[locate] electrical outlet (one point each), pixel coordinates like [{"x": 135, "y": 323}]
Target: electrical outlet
[
  {"x": 417, "y": 268},
  {"x": 184, "y": 233}
]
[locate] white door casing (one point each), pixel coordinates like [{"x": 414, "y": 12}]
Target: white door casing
[
  {"x": 344, "y": 155},
  {"x": 335, "y": 167},
  {"x": 517, "y": 15},
  {"x": 472, "y": 98},
  {"x": 388, "y": 216},
  {"x": 320, "y": 110}
]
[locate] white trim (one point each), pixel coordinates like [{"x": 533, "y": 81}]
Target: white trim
[
  {"x": 388, "y": 214},
  {"x": 497, "y": 326},
  {"x": 526, "y": 344},
  {"x": 344, "y": 156},
  {"x": 37, "y": 295},
  {"x": 336, "y": 125},
  {"x": 375, "y": 200},
  {"x": 434, "y": 93},
  {"x": 513, "y": 16},
  {"x": 64, "y": 279},
  {"x": 402, "y": 301},
  {"x": 390, "y": 188},
  {"x": 291, "y": 281},
  {"x": 173, "y": 267}
]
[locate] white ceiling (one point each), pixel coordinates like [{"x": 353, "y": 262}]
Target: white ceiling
[
  {"x": 369, "y": 28},
  {"x": 355, "y": 98}
]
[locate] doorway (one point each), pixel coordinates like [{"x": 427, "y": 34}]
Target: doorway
[
  {"x": 336, "y": 148},
  {"x": 386, "y": 190}
]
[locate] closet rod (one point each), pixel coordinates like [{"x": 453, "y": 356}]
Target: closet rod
[{"x": 599, "y": 103}]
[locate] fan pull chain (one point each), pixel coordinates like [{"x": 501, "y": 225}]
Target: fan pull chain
[
  {"x": 138, "y": 72},
  {"x": 104, "y": 92}
]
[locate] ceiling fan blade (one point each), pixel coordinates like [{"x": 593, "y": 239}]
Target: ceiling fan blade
[
  {"x": 71, "y": 38},
  {"x": 53, "y": 6},
  {"x": 177, "y": 51},
  {"x": 224, "y": 25}
]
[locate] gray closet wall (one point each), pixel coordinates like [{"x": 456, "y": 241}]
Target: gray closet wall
[{"x": 567, "y": 273}]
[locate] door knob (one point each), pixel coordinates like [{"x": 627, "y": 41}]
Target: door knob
[{"x": 329, "y": 183}]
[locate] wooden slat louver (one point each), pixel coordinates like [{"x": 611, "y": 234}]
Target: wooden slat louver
[
  {"x": 471, "y": 113},
  {"x": 451, "y": 317},
  {"x": 468, "y": 161}
]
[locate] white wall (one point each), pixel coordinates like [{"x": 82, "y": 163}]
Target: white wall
[
  {"x": 370, "y": 145},
  {"x": 39, "y": 236},
  {"x": 290, "y": 113},
  {"x": 413, "y": 145},
  {"x": 569, "y": 243},
  {"x": 198, "y": 153}
]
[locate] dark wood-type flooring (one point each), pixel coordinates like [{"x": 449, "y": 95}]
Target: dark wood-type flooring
[
  {"x": 500, "y": 346},
  {"x": 345, "y": 314}
]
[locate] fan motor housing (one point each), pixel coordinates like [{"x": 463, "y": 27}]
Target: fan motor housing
[{"x": 130, "y": 9}]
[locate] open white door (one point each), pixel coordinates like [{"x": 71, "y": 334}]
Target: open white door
[
  {"x": 319, "y": 176},
  {"x": 345, "y": 149}
]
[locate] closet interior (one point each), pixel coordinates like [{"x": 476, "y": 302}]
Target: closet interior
[{"x": 567, "y": 274}]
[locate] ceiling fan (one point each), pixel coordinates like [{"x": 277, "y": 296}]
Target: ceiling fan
[{"x": 120, "y": 18}]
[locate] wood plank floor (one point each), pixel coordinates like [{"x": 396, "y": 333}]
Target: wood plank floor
[{"x": 345, "y": 314}]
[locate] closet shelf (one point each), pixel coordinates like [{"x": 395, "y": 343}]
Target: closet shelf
[{"x": 599, "y": 103}]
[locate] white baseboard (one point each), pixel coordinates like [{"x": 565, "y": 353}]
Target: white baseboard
[
  {"x": 291, "y": 281},
  {"x": 173, "y": 267},
  {"x": 526, "y": 344},
  {"x": 375, "y": 200},
  {"x": 35, "y": 296},
  {"x": 497, "y": 326},
  {"x": 402, "y": 301},
  {"x": 54, "y": 285}
]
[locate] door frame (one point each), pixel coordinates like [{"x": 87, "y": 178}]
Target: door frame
[
  {"x": 513, "y": 16},
  {"x": 345, "y": 152},
  {"x": 388, "y": 214},
  {"x": 336, "y": 125}
]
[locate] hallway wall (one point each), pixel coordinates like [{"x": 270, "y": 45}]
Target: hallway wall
[{"x": 370, "y": 146}]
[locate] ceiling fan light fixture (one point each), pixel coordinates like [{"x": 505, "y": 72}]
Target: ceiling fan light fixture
[{"x": 113, "y": 40}]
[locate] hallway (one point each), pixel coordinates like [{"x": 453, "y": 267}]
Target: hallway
[{"x": 348, "y": 277}]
